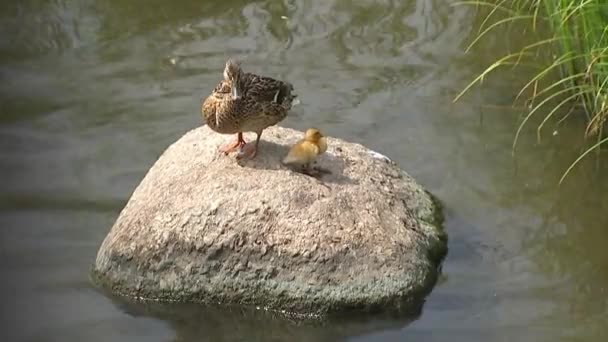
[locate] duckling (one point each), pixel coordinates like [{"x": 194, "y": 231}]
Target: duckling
[
  {"x": 246, "y": 102},
  {"x": 305, "y": 151}
]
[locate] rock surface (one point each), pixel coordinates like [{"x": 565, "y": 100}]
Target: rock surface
[{"x": 202, "y": 227}]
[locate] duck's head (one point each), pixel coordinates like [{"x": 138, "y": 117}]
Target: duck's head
[
  {"x": 313, "y": 135},
  {"x": 232, "y": 74}
]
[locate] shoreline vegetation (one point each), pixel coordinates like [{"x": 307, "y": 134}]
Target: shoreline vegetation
[{"x": 571, "y": 44}]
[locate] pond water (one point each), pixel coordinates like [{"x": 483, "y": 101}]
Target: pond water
[{"x": 93, "y": 91}]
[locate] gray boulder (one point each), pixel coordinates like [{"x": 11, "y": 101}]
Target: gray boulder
[{"x": 202, "y": 227}]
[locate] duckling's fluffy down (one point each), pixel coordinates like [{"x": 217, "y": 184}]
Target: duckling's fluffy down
[{"x": 305, "y": 152}]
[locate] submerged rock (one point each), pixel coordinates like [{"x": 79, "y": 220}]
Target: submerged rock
[{"x": 202, "y": 227}]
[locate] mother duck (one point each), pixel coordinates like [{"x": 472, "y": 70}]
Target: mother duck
[{"x": 246, "y": 102}]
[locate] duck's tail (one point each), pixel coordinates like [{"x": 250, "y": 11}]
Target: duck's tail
[{"x": 286, "y": 97}]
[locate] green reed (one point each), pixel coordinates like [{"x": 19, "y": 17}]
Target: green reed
[{"x": 571, "y": 37}]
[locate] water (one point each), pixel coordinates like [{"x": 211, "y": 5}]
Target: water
[{"x": 93, "y": 91}]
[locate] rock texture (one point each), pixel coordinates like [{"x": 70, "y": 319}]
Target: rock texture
[{"x": 202, "y": 227}]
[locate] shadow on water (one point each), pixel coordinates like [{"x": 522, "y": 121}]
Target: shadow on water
[{"x": 193, "y": 322}]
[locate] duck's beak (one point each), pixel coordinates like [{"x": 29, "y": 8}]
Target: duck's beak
[{"x": 236, "y": 94}]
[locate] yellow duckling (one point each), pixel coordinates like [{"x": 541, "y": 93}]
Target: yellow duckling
[
  {"x": 246, "y": 102},
  {"x": 305, "y": 151}
]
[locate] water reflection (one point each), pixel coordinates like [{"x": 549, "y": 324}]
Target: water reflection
[{"x": 197, "y": 323}]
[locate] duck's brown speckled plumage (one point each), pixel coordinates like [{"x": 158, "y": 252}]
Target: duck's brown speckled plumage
[
  {"x": 217, "y": 110},
  {"x": 246, "y": 102}
]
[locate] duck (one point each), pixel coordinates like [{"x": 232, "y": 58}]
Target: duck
[
  {"x": 246, "y": 102},
  {"x": 304, "y": 152}
]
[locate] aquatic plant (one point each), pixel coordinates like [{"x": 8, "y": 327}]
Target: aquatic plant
[{"x": 571, "y": 38}]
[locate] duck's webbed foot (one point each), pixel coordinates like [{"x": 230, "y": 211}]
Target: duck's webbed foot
[
  {"x": 237, "y": 144},
  {"x": 249, "y": 151},
  {"x": 314, "y": 170},
  {"x": 309, "y": 170}
]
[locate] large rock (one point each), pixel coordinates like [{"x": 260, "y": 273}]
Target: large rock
[{"x": 202, "y": 227}]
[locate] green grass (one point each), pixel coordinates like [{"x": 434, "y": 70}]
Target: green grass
[{"x": 571, "y": 37}]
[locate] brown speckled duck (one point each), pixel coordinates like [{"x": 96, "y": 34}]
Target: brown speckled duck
[{"x": 246, "y": 102}]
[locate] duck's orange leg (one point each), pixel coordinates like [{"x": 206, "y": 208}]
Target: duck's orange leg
[
  {"x": 250, "y": 150},
  {"x": 237, "y": 144}
]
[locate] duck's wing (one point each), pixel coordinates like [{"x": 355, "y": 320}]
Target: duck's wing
[{"x": 267, "y": 89}]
